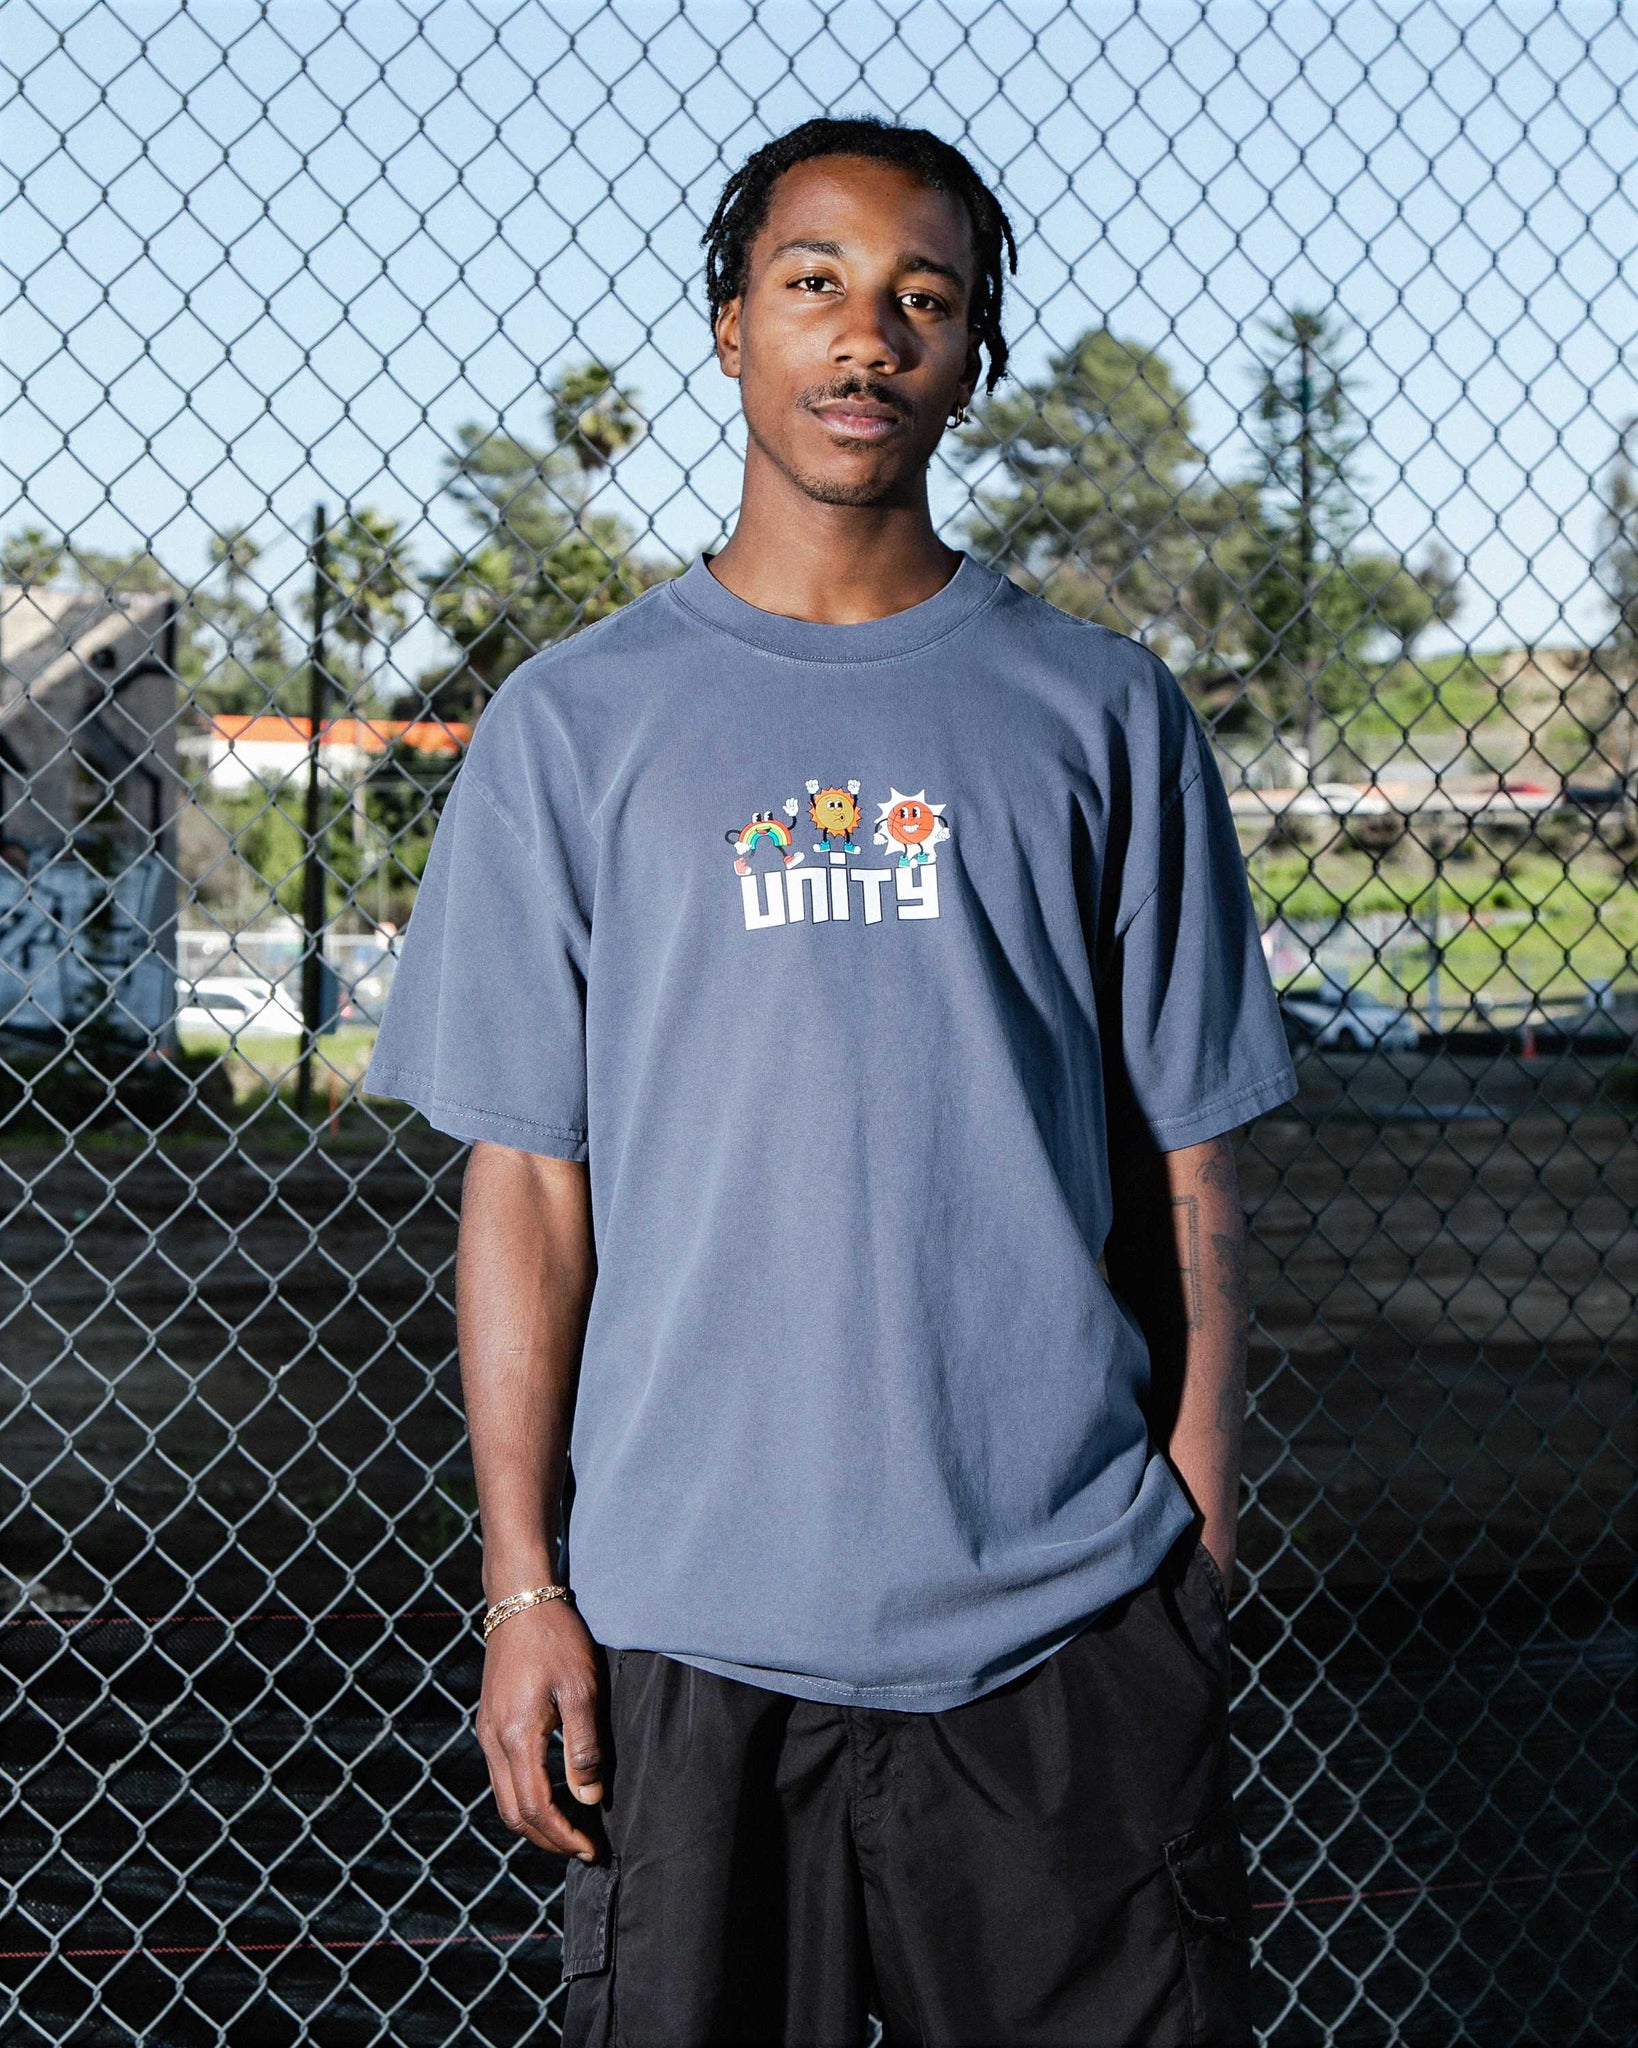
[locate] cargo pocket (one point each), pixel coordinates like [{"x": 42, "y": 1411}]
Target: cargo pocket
[
  {"x": 589, "y": 1891},
  {"x": 1210, "y": 1892}
]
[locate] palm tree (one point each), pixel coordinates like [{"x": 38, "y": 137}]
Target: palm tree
[
  {"x": 593, "y": 421},
  {"x": 370, "y": 576},
  {"x": 234, "y": 555},
  {"x": 543, "y": 563}
]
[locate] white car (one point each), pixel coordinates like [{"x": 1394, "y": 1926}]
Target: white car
[
  {"x": 1345, "y": 1020},
  {"x": 1339, "y": 800},
  {"x": 236, "y": 1004},
  {"x": 366, "y": 1000}
]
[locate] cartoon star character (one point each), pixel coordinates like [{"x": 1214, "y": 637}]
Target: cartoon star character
[
  {"x": 911, "y": 824},
  {"x": 764, "y": 825},
  {"x": 836, "y": 813}
]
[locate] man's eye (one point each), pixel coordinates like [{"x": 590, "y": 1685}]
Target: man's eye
[
  {"x": 937, "y": 304},
  {"x": 810, "y": 279}
]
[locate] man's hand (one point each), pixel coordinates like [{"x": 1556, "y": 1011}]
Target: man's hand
[{"x": 540, "y": 1673}]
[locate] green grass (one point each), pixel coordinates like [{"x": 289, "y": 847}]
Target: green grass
[
  {"x": 1569, "y": 923},
  {"x": 262, "y": 1064},
  {"x": 1439, "y": 695}
]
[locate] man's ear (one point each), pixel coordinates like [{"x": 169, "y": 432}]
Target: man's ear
[
  {"x": 727, "y": 337},
  {"x": 971, "y": 371}
]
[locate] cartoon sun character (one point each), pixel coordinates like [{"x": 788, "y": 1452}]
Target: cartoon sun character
[
  {"x": 836, "y": 813},
  {"x": 911, "y": 824},
  {"x": 764, "y": 825}
]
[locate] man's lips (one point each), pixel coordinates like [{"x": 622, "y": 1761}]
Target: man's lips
[{"x": 858, "y": 420}]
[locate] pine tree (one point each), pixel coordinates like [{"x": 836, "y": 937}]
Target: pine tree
[
  {"x": 1306, "y": 607},
  {"x": 1091, "y": 497}
]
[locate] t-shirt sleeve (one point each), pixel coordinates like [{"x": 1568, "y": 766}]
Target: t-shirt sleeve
[
  {"x": 1194, "y": 1042},
  {"x": 484, "y": 1029}
]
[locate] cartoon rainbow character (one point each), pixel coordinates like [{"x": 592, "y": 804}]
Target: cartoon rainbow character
[
  {"x": 836, "y": 814},
  {"x": 763, "y": 825},
  {"x": 911, "y": 824}
]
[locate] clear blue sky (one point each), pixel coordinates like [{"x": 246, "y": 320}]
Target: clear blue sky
[{"x": 253, "y": 256}]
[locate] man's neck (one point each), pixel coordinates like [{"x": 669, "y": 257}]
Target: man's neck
[{"x": 838, "y": 565}]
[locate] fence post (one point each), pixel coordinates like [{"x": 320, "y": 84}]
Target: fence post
[{"x": 312, "y": 879}]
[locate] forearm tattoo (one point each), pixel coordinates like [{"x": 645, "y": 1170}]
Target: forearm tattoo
[
  {"x": 1186, "y": 1231},
  {"x": 1217, "y": 1168},
  {"x": 1226, "y": 1279}
]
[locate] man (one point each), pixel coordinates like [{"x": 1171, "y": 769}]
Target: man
[{"x": 830, "y": 957}]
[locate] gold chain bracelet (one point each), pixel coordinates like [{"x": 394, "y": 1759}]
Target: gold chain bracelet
[{"x": 515, "y": 1603}]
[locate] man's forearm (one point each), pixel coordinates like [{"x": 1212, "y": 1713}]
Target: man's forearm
[
  {"x": 1177, "y": 1257},
  {"x": 525, "y": 1268},
  {"x": 523, "y": 1281},
  {"x": 1209, "y": 1229}
]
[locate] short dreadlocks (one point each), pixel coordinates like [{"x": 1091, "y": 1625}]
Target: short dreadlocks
[{"x": 743, "y": 208}]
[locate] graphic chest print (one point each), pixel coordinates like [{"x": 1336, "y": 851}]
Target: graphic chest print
[{"x": 780, "y": 890}]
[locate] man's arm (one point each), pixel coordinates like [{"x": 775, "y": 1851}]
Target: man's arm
[
  {"x": 1176, "y": 1256},
  {"x": 524, "y": 1272}
]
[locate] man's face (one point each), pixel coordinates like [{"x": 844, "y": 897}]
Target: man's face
[{"x": 850, "y": 339}]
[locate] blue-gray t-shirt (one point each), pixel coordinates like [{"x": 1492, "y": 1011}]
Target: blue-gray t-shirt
[{"x": 839, "y": 953}]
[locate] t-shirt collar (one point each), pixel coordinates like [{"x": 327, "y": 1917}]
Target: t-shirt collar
[{"x": 918, "y": 626}]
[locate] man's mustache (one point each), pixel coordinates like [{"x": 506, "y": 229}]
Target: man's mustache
[{"x": 822, "y": 394}]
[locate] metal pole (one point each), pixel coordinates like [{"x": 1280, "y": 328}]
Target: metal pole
[{"x": 312, "y": 881}]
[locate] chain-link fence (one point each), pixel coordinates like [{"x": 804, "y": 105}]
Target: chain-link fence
[{"x": 354, "y": 350}]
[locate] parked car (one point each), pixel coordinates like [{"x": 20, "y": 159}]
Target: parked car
[
  {"x": 1598, "y": 796},
  {"x": 236, "y": 1004},
  {"x": 367, "y": 999},
  {"x": 1339, "y": 800},
  {"x": 1346, "y": 1019}
]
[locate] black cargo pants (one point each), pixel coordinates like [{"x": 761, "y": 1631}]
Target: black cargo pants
[{"x": 1055, "y": 1862}]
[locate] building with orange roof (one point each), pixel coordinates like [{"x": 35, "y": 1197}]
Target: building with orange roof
[{"x": 235, "y": 749}]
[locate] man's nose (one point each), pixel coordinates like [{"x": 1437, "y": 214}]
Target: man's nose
[{"x": 868, "y": 339}]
